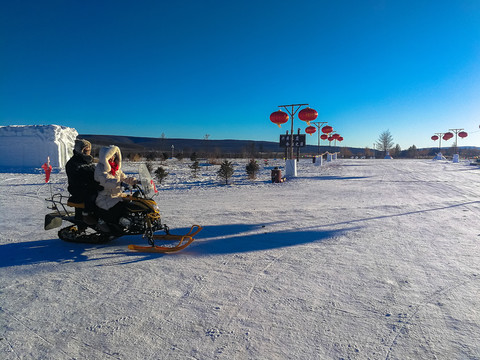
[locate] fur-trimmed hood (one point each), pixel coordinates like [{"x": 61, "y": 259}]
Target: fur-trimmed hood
[{"x": 106, "y": 153}]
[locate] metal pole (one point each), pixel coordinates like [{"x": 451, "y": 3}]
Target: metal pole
[
  {"x": 298, "y": 148},
  {"x": 318, "y": 125},
  {"x": 292, "y": 115},
  {"x": 286, "y": 149},
  {"x": 440, "y": 140},
  {"x": 291, "y": 138},
  {"x": 456, "y": 131}
]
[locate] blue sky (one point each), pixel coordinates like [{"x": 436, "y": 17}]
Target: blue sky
[{"x": 191, "y": 68}]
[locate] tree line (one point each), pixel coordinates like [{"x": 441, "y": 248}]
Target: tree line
[{"x": 385, "y": 144}]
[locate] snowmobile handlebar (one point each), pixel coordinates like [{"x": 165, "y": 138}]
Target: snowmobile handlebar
[{"x": 136, "y": 189}]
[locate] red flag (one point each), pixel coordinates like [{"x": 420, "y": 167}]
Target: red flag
[
  {"x": 154, "y": 187},
  {"x": 48, "y": 169}
]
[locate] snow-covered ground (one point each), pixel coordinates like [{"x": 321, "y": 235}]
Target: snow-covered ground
[{"x": 359, "y": 259}]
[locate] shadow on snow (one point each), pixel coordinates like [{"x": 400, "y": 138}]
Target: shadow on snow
[
  {"x": 61, "y": 252},
  {"x": 213, "y": 240},
  {"x": 222, "y": 239},
  {"x": 231, "y": 239}
]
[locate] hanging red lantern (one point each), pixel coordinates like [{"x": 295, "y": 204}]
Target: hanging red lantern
[
  {"x": 447, "y": 136},
  {"x": 279, "y": 117},
  {"x": 330, "y": 138},
  {"x": 462, "y": 134},
  {"x": 311, "y": 130},
  {"x": 335, "y": 136},
  {"x": 307, "y": 114},
  {"x": 324, "y": 136},
  {"x": 327, "y": 129},
  {"x": 340, "y": 138},
  {"x": 434, "y": 137}
]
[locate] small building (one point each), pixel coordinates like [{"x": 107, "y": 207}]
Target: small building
[{"x": 28, "y": 146}]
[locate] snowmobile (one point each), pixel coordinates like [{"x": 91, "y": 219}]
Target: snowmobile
[{"x": 143, "y": 217}]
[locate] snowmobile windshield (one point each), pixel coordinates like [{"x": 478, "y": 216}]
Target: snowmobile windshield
[{"x": 146, "y": 181}]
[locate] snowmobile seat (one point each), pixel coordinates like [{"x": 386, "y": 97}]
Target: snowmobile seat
[
  {"x": 76, "y": 205},
  {"x": 79, "y": 206}
]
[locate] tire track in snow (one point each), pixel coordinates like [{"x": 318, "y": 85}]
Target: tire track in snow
[
  {"x": 234, "y": 314},
  {"x": 11, "y": 347},
  {"x": 427, "y": 300},
  {"x": 34, "y": 332}
]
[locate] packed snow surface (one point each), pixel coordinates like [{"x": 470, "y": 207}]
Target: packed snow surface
[
  {"x": 28, "y": 146},
  {"x": 356, "y": 259}
]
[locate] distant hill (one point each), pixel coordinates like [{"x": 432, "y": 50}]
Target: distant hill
[
  {"x": 187, "y": 146},
  {"x": 141, "y": 145}
]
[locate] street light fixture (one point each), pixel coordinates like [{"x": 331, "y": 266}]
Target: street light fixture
[{"x": 279, "y": 117}]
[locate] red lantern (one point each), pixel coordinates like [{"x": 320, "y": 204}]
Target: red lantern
[
  {"x": 279, "y": 117},
  {"x": 335, "y": 136},
  {"x": 340, "y": 138},
  {"x": 462, "y": 134},
  {"x": 447, "y": 136},
  {"x": 307, "y": 114},
  {"x": 434, "y": 137},
  {"x": 324, "y": 137},
  {"x": 327, "y": 129},
  {"x": 330, "y": 138},
  {"x": 311, "y": 130}
]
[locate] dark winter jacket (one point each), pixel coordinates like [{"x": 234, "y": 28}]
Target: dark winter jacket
[{"x": 81, "y": 183}]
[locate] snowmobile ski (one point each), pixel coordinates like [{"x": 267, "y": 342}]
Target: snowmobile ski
[{"x": 183, "y": 242}]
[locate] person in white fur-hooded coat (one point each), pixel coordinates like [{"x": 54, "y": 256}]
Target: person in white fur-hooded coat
[{"x": 110, "y": 175}]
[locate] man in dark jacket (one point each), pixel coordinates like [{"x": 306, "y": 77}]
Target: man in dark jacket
[{"x": 80, "y": 169}]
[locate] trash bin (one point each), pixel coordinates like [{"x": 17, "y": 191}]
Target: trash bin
[{"x": 276, "y": 175}]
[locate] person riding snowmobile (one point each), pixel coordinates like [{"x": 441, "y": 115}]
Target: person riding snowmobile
[
  {"x": 80, "y": 171},
  {"x": 110, "y": 175}
]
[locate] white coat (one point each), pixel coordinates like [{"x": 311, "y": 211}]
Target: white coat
[{"x": 112, "y": 190}]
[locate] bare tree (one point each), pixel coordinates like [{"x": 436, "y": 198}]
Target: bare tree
[{"x": 385, "y": 141}]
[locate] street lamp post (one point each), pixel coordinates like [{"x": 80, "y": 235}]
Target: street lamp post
[
  {"x": 440, "y": 135},
  {"x": 455, "y": 146},
  {"x": 279, "y": 117},
  {"x": 291, "y": 110},
  {"x": 318, "y": 124}
]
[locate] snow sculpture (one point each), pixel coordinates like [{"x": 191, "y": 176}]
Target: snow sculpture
[
  {"x": 388, "y": 156},
  {"x": 439, "y": 156},
  {"x": 27, "y": 146}
]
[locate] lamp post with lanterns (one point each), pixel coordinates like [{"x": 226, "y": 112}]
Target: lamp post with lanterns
[
  {"x": 280, "y": 117},
  {"x": 458, "y": 132},
  {"x": 447, "y": 136},
  {"x": 318, "y": 124}
]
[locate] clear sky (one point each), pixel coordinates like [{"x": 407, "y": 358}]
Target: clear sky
[{"x": 196, "y": 67}]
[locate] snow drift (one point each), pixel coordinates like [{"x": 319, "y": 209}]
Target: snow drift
[{"x": 28, "y": 146}]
